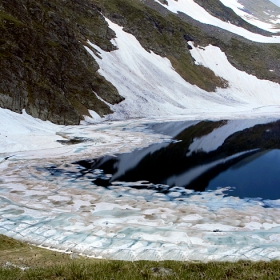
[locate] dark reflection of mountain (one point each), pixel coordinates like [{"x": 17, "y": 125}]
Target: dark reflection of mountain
[
  {"x": 255, "y": 176},
  {"x": 168, "y": 163}
]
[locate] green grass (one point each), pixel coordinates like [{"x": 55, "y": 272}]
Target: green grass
[
  {"x": 46, "y": 264},
  {"x": 45, "y": 64},
  {"x": 165, "y": 34},
  {"x": 217, "y": 9}
]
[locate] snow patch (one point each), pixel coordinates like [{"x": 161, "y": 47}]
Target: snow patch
[
  {"x": 242, "y": 86},
  {"x": 152, "y": 88},
  {"x": 190, "y": 8},
  {"x": 21, "y": 132},
  {"x": 240, "y": 11}
]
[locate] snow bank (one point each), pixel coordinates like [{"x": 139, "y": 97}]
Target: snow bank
[
  {"x": 190, "y": 8},
  {"x": 152, "y": 88},
  {"x": 148, "y": 82},
  {"x": 21, "y": 132},
  {"x": 242, "y": 86},
  {"x": 240, "y": 11},
  {"x": 25, "y": 137},
  {"x": 120, "y": 222}
]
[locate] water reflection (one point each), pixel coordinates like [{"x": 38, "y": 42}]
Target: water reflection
[
  {"x": 257, "y": 175},
  {"x": 204, "y": 156}
]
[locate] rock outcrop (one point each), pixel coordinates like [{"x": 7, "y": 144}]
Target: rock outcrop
[{"x": 45, "y": 68}]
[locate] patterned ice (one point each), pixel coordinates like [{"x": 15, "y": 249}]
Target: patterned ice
[{"x": 49, "y": 203}]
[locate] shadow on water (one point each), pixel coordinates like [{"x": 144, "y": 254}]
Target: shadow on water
[{"x": 248, "y": 160}]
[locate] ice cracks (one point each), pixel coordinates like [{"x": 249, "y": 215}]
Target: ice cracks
[{"x": 64, "y": 211}]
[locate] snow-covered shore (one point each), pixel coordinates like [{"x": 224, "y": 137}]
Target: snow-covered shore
[{"x": 44, "y": 201}]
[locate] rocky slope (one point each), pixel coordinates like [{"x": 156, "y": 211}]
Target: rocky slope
[
  {"x": 44, "y": 66},
  {"x": 46, "y": 70},
  {"x": 217, "y": 9}
]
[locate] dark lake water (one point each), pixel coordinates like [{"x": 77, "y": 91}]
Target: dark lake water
[
  {"x": 203, "y": 156},
  {"x": 255, "y": 176}
]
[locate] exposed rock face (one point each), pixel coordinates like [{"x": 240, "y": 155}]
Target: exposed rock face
[
  {"x": 218, "y": 10},
  {"x": 165, "y": 34},
  {"x": 45, "y": 69},
  {"x": 165, "y": 2},
  {"x": 44, "y": 66},
  {"x": 254, "y": 58}
]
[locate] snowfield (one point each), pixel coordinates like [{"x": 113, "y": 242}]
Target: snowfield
[
  {"x": 190, "y": 8},
  {"x": 62, "y": 211},
  {"x": 243, "y": 87},
  {"x": 241, "y": 11},
  {"x": 43, "y": 201},
  {"x": 152, "y": 87}
]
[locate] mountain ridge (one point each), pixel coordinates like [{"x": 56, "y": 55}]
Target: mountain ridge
[{"x": 47, "y": 71}]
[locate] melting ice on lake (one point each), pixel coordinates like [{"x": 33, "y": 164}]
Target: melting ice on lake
[
  {"x": 199, "y": 159},
  {"x": 209, "y": 193}
]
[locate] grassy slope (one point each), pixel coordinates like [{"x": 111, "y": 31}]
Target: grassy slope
[
  {"x": 164, "y": 35},
  {"x": 45, "y": 68},
  {"x": 217, "y": 9},
  {"x": 44, "y": 264},
  {"x": 167, "y": 34}
]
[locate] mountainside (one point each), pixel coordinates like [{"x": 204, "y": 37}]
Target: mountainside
[
  {"x": 62, "y": 60},
  {"x": 262, "y": 12},
  {"x": 44, "y": 67}
]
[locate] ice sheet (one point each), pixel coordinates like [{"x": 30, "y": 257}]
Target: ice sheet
[
  {"x": 119, "y": 223},
  {"x": 47, "y": 203}
]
